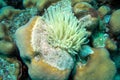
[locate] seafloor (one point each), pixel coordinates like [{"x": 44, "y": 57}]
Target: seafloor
[{"x": 59, "y": 39}]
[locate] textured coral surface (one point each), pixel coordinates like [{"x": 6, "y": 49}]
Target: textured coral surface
[{"x": 59, "y": 40}]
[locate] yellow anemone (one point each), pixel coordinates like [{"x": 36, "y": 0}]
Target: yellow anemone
[{"x": 64, "y": 30}]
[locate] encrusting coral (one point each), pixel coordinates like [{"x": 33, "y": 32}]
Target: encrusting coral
[{"x": 98, "y": 67}]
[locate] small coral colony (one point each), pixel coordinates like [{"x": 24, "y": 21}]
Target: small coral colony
[{"x": 59, "y": 40}]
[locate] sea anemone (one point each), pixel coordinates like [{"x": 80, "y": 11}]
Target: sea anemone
[{"x": 64, "y": 30}]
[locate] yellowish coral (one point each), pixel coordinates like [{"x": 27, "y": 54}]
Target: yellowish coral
[
  {"x": 98, "y": 67},
  {"x": 47, "y": 57},
  {"x": 39, "y": 70},
  {"x": 82, "y": 7},
  {"x": 25, "y": 41},
  {"x": 85, "y": 12},
  {"x": 103, "y": 10},
  {"x": 2, "y": 30},
  {"x": 29, "y": 3},
  {"x": 40, "y": 4},
  {"x": 115, "y": 23},
  {"x": 8, "y": 12},
  {"x": 110, "y": 44},
  {"x": 6, "y": 45},
  {"x": 77, "y": 1}
]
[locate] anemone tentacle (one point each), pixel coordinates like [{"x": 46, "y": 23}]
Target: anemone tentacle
[{"x": 64, "y": 29}]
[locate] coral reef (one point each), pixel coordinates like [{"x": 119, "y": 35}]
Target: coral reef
[
  {"x": 59, "y": 40},
  {"x": 56, "y": 36}
]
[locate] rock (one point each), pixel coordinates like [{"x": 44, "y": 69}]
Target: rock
[
  {"x": 98, "y": 67},
  {"x": 114, "y": 22}
]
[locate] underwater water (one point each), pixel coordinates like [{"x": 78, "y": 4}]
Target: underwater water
[{"x": 59, "y": 40}]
